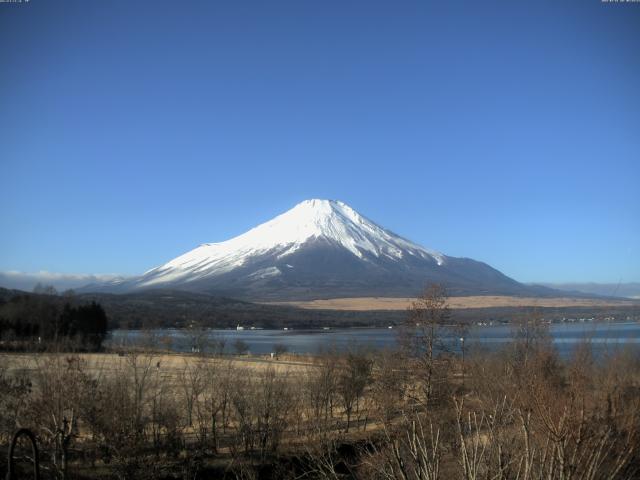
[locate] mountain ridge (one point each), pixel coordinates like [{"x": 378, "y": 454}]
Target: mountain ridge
[{"x": 321, "y": 249}]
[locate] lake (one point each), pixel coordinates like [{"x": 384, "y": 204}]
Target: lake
[{"x": 604, "y": 337}]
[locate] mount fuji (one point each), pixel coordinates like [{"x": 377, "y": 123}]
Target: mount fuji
[{"x": 320, "y": 249}]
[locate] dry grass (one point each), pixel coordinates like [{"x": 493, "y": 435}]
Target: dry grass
[
  {"x": 170, "y": 365},
  {"x": 391, "y": 303}
]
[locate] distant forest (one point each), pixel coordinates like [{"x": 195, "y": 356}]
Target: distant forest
[
  {"x": 44, "y": 318},
  {"x": 177, "y": 309}
]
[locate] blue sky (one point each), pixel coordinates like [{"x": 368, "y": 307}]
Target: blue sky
[{"x": 508, "y": 132}]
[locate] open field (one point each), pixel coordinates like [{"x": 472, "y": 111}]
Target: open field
[
  {"x": 390, "y": 303},
  {"x": 168, "y": 365}
]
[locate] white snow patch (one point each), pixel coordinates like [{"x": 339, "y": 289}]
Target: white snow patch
[
  {"x": 309, "y": 220},
  {"x": 265, "y": 272}
]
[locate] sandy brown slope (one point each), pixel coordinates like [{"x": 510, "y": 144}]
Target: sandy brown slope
[{"x": 395, "y": 303}]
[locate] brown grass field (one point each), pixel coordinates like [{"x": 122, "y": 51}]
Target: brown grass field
[
  {"x": 391, "y": 303},
  {"x": 169, "y": 364}
]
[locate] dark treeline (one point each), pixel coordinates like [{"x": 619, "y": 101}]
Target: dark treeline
[
  {"x": 177, "y": 309},
  {"x": 32, "y": 321}
]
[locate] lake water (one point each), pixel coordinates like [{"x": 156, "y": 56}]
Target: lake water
[{"x": 604, "y": 336}]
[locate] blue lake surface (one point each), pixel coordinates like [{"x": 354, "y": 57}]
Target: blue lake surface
[{"x": 604, "y": 337}]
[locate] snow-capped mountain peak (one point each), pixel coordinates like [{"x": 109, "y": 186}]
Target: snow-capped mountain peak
[
  {"x": 327, "y": 220},
  {"x": 319, "y": 249},
  {"x": 331, "y": 220}
]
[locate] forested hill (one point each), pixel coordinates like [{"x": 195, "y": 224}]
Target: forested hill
[{"x": 178, "y": 309}]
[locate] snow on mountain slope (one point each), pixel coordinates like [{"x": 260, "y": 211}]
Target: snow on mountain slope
[
  {"x": 329, "y": 220},
  {"x": 319, "y": 249}
]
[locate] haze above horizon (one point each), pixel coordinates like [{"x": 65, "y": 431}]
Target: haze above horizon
[{"x": 131, "y": 132}]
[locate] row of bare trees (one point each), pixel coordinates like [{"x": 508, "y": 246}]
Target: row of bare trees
[
  {"x": 414, "y": 413},
  {"x": 128, "y": 411},
  {"x": 522, "y": 413}
]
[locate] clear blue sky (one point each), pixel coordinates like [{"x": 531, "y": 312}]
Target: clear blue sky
[{"x": 509, "y": 132}]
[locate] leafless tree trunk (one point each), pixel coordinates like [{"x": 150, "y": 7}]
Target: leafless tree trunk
[{"x": 421, "y": 337}]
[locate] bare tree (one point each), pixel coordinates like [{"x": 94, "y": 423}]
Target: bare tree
[
  {"x": 412, "y": 452},
  {"x": 14, "y": 401},
  {"x": 198, "y": 339},
  {"x": 353, "y": 377},
  {"x": 165, "y": 420},
  {"x": 218, "y": 344},
  {"x": 389, "y": 384},
  {"x": 241, "y": 347},
  {"x": 191, "y": 381},
  {"x": 421, "y": 336},
  {"x": 139, "y": 369},
  {"x": 280, "y": 349},
  {"x": 531, "y": 335},
  {"x": 212, "y": 410},
  {"x": 274, "y": 398},
  {"x": 320, "y": 389},
  {"x": 242, "y": 396},
  {"x": 59, "y": 381}
]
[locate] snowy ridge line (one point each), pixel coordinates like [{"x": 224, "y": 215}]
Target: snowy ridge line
[{"x": 329, "y": 220}]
